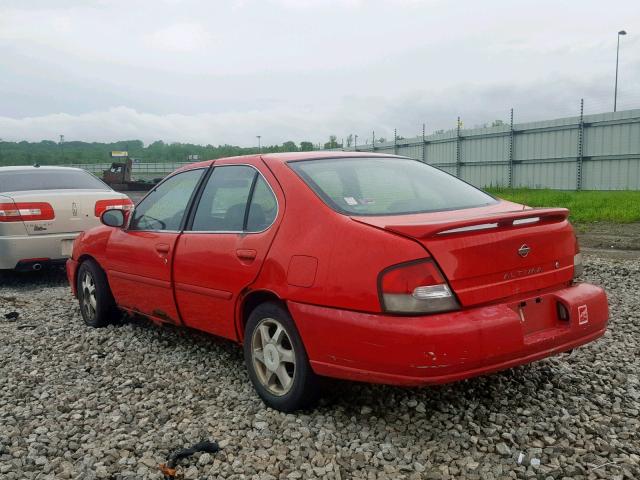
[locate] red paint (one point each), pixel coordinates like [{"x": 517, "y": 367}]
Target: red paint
[
  {"x": 302, "y": 271},
  {"x": 138, "y": 265},
  {"x": 328, "y": 268}
]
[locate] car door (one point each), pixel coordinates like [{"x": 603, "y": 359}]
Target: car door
[
  {"x": 139, "y": 258},
  {"x": 222, "y": 249}
]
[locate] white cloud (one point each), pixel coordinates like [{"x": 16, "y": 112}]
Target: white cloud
[
  {"x": 180, "y": 38},
  {"x": 360, "y": 115},
  {"x": 225, "y": 71}
]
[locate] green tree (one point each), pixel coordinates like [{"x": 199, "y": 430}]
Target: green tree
[
  {"x": 349, "y": 139},
  {"x": 289, "y": 147},
  {"x": 332, "y": 143}
]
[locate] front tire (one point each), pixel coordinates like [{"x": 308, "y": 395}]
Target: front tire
[
  {"x": 94, "y": 295},
  {"x": 277, "y": 361}
]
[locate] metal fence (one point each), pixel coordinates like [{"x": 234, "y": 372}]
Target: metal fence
[
  {"x": 586, "y": 152},
  {"x": 139, "y": 170}
]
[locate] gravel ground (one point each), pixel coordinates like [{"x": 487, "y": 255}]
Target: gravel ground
[{"x": 112, "y": 403}]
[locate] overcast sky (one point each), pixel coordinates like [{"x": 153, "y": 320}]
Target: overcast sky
[{"x": 225, "y": 71}]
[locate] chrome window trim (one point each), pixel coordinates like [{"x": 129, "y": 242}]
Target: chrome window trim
[{"x": 236, "y": 232}]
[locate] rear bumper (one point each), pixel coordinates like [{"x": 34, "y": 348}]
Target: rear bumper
[
  {"x": 452, "y": 346},
  {"x": 26, "y": 250}
]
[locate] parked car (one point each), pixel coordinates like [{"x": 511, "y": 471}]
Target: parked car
[
  {"x": 42, "y": 210},
  {"x": 350, "y": 265}
]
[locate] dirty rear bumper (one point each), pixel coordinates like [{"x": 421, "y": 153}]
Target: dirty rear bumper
[
  {"x": 452, "y": 346},
  {"x": 18, "y": 251}
]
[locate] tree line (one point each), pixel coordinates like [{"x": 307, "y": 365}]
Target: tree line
[{"x": 48, "y": 152}]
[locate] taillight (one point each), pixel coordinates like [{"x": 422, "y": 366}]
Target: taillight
[
  {"x": 26, "y": 211},
  {"x": 119, "y": 203},
  {"x": 415, "y": 287}
]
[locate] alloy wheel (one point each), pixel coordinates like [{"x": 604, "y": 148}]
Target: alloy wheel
[
  {"x": 273, "y": 356},
  {"x": 89, "y": 299}
]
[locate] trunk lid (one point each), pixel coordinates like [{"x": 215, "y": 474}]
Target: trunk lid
[
  {"x": 495, "y": 252},
  {"x": 73, "y": 210}
]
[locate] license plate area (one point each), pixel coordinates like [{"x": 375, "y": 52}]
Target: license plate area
[{"x": 539, "y": 313}]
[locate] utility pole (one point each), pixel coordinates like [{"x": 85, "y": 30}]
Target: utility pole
[
  {"x": 259, "y": 146},
  {"x": 615, "y": 90},
  {"x": 62, "y": 145}
]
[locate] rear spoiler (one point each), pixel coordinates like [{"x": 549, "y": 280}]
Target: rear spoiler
[{"x": 482, "y": 223}]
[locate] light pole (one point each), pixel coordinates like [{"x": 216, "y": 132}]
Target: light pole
[
  {"x": 615, "y": 91},
  {"x": 259, "y": 147}
]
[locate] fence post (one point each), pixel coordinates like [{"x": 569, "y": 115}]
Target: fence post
[
  {"x": 373, "y": 143},
  {"x": 355, "y": 142},
  {"x": 395, "y": 141},
  {"x": 424, "y": 145},
  {"x": 458, "y": 153},
  {"x": 580, "y": 147},
  {"x": 511, "y": 149}
]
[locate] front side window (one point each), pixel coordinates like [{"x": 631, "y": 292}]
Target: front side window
[
  {"x": 387, "y": 186},
  {"x": 235, "y": 199},
  {"x": 164, "y": 207}
]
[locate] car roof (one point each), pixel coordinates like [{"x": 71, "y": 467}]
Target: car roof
[
  {"x": 293, "y": 156},
  {"x": 24, "y": 168}
]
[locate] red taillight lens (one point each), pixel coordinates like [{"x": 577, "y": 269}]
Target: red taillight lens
[
  {"x": 26, "y": 211},
  {"x": 416, "y": 287},
  {"x": 120, "y": 203},
  {"x": 405, "y": 278}
]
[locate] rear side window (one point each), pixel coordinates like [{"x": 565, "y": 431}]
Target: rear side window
[
  {"x": 387, "y": 186},
  {"x": 263, "y": 208},
  {"x": 48, "y": 179},
  {"x": 235, "y": 199}
]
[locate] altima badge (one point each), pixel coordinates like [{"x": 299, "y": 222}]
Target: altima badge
[{"x": 524, "y": 250}]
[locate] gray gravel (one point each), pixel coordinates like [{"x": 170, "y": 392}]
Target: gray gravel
[{"x": 112, "y": 403}]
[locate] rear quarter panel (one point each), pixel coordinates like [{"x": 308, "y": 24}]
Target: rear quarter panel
[{"x": 325, "y": 258}]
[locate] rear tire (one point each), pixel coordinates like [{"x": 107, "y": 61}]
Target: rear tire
[
  {"x": 97, "y": 305},
  {"x": 277, "y": 360}
]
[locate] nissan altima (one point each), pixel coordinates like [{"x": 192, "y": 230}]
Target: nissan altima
[
  {"x": 357, "y": 266},
  {"x": 42, "y": 210}
]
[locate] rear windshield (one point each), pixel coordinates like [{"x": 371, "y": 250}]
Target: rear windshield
[
  {"x": 387, "y": 186},
  {"x": 43, "y": 179}
]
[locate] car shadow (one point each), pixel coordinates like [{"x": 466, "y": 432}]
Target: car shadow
[{"x": 48, "y": 276}]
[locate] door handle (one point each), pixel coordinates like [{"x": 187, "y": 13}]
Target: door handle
[
  {"x": 162, "y": 248},
  {"x": 246, "y": 254}
]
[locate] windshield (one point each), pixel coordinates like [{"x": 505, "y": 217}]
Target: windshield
[
  {"x": 387, "y": 186},
  {"x": 48, "y": 179}
]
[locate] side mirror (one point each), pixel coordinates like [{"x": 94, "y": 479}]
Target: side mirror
[{"x": 113, "y": 217}]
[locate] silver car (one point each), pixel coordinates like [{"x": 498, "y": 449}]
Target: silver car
[{"x": 43, "y": 209}]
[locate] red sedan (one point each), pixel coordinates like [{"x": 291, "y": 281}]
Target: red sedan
[{"x": 356, "y": 266}]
